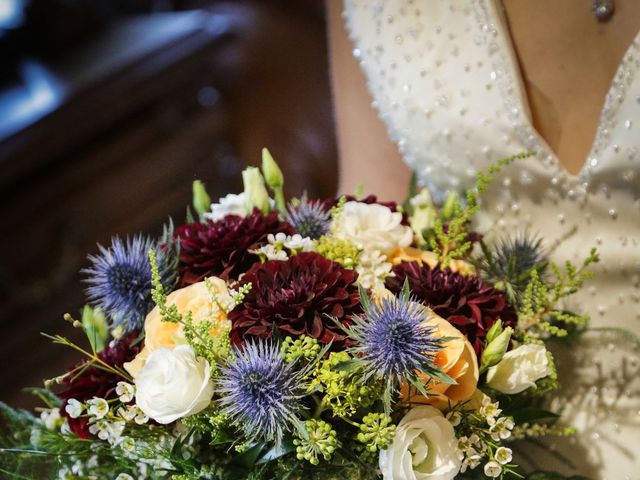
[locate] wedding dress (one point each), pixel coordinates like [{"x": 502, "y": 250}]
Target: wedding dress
[{"x": 444, "y": 79}]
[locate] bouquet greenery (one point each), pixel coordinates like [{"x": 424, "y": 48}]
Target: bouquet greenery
[{"x": 345, "y": 338}]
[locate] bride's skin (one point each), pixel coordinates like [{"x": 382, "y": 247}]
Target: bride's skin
[{"x": 567, "y": 59}]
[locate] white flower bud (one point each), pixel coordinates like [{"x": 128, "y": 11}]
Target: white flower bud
[{"x": 519, "y": 369}]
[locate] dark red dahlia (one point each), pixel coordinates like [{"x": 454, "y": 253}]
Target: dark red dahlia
[
  {"x": 296, "y": 297},
  {"x": 97, "y": 382},
  {"x": 467, "y": 302},
  {"x": 221, "y": 248}
]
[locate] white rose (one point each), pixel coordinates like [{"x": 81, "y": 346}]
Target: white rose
[
  {"x": 372, "y": 227},
  {"x": 424, "y": 448},
  {"x": 173, "y": 384},
  {"x": 232, "y": 204},
  {"x": 519, "y": 369}
]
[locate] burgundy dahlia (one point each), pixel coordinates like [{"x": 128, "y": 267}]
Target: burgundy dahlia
[
  {"x": 97, "y": 382},
  {"x": 221, "y": 248},
  {"x": 294, "y": 297},
  {"x": 467, "y": 302}
]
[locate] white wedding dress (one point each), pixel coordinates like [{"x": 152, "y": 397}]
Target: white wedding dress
[{"x": 445, "y": 81}]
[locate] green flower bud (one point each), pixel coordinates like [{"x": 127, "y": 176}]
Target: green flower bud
[
  {"x": 494, "y": 331},
  {"x": 271, "y": 171},
  {"x": 495, "y": 350},
  {"x": 451, "y": 206},
  {"x": 95, "y": 326},
  {"x": 255, "y": 190},
  {"x": 201, "y": 200},
  {"x": 424, "y": 214},
  {"x": 274, "y": 178}
]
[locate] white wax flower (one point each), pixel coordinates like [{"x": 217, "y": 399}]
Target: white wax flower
[
  {"x": 173, "y": 384},
  {"x": 51, "y": 418},
  {"x": 231, "y": 204},
  {"x": 492, "y": 469},
  {"x": 424, "y": 448},
  {"x": 125, "y": 391},
  {"x": 73, "y": 408},
  {"x": 97, "y": 407},
  {"x": 372, "y": 227},
  {"x": 519, "y": 369}
]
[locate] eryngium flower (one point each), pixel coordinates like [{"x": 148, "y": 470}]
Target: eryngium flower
[
  {"x": 120, "y": 279},
  {"x": 467, "y": 302},
  {"x": 310, "y": 218},
  {"x": 260, "y": 392},
  {"x": 221, "y": 248},
  {"x": 393, "y": 341},
  {"x": 511, "y": 261},
  {"x": 295, "y": 297}
]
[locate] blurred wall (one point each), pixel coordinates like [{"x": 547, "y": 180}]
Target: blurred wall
[{"x": 129, "y": 102}]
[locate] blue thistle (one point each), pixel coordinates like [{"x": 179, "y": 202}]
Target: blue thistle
[
  {"x": 310, "y": 219},
  {"x": 394, "y": 344},
  {"x": 120, "y": 279},
  {"x": 261, "y": 392},
  {"x": 509, "y": 263}
]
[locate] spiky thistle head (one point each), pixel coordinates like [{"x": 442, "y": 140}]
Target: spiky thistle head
[
  {"x": 310, "y": 218},
  {"x": 394, "y": 343},
  {"x": 260, "y": 392},
  {"x": 509, "y": 263},
  {"x": 119, "y": 279}
]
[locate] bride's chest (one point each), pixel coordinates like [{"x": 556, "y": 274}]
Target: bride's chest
[{"x": 442, "y": 79}]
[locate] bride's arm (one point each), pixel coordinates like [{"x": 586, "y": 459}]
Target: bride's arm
[{"x": 367, "y": 156}]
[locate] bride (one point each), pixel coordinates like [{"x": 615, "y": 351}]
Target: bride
[{"x": 457, "y": 85}]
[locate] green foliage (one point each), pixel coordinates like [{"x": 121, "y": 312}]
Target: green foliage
[
  {"x": 320, "y": 440},
  {"x": 301, "y": 347},
  {"x": 341, "y": 386},
  {"x": 341, "y": 251},
  {"x": 450, "y": 236},
  {"x": 377, "y": 432},
  {"x": 95, "y": 326},
  {"x": 540, "y": 314},
  {"x": 199, "y": 335}
]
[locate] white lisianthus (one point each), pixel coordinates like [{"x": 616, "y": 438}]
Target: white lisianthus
[
  {"x": 73, "y": 408},
  {"x": 371, "y": 227},
  {"x": 519, "y": 369},
  {"x": 424, "y": 448},
  {"x": 231, "y": 204},
  {"x": 173, "y": 384}
]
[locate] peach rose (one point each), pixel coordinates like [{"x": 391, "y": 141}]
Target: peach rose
[
  {"x": 458, "y": 360},
  {"x": 196, "y": 299},
  {"x": 412, "y": 254}
]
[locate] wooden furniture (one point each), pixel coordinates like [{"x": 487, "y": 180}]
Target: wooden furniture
[{"x": 152, "y": 103}]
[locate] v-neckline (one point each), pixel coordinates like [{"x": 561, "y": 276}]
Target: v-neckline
[{"x": 498, "y": 18}]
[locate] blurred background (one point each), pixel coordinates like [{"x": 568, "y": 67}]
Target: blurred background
[{"x": 109, "y": 109}]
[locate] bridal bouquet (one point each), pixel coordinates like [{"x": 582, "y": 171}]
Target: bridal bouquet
[{"x": 345, "y": 338}]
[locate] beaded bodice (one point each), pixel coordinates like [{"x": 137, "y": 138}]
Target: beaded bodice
[{"x": 445, "y": 81}]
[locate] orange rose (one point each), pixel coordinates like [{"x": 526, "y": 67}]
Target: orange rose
[
  {"x": 458, "y": 360},
  {"x": 411, "y": 254},
  {"x": 196, "y": 299}
]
